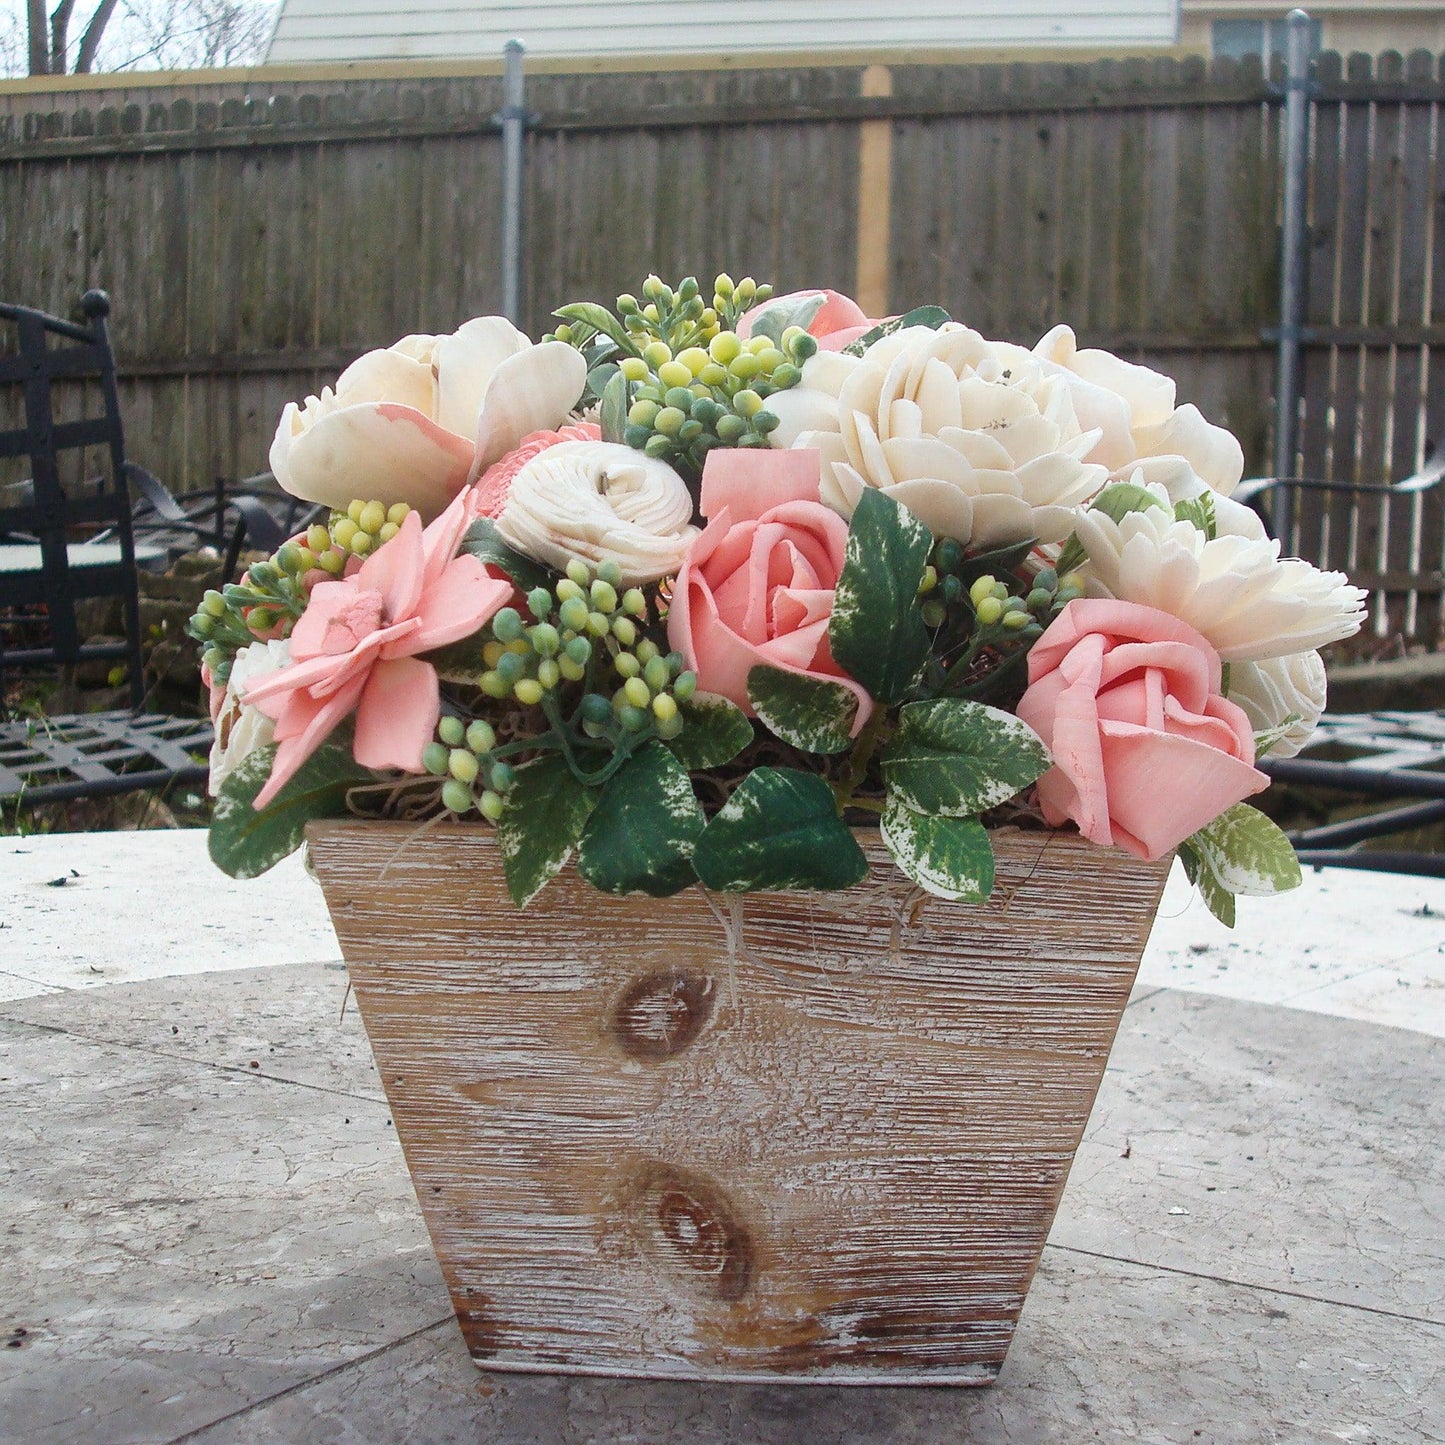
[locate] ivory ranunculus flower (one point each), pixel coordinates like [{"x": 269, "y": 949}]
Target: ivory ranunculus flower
[
  {"x": 416, "y": 422},
  {"x": 241, "y": 729},
  {"x": 978, "y": 449},
  {"x": 1250, "y": 602},
  {"x": 599, "y": 501},
  {"x": 1279, "y": 687}
]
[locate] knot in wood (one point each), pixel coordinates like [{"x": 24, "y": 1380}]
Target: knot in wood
[
  {"x": 701, "y": 1232},
  {"x": 662, "y": 1013}
]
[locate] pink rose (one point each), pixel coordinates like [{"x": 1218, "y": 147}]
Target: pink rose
[
  {"x": 1146, "y": 750},
  {"x": 489, "y": 494},
  {"x": 838, "y": 322},
  {"x": 757, "y": 584}
]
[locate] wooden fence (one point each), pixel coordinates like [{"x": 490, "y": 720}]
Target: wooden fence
[{"x": 256, "y": 235}]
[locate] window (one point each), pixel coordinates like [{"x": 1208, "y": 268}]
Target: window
[{"x": 1264, "y": 38}]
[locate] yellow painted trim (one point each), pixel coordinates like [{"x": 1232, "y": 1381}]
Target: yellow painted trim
[
  {"x": 333, "y": 72},
  {"x": 875, "y": 171}
]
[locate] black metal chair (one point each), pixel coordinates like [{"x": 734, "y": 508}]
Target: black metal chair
[{"x": 45, "y": 571}]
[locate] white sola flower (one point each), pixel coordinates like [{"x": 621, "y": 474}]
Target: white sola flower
[
  {"x": 1250, "y": 602},
  {"x": 601, "y": 502},
  {"x": 1279, "y": 688},
  {"x": 980, "y": 449},
  {"x": 242, "y": 728}
]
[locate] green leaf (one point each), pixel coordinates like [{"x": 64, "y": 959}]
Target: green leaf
[
  {"x": 1247, "y": 853},
  {"x": 1268, "y": 738},
  {"x": 780, "y": 829},
  {"x": 996, "y": 562},
  {"x": 1217, "y": 898},
  {"x": 547, "y": 810},
  {"x": 613, "y": 411},
  {"x": 809, "y": 712},
  {"x": 460, "y": 661},
  {"x": 642, "y": 833},
  {"x": 484, "y": 542},
  {"x": 775, "y": 317},
  {"x": 599, "y": 318},
  {"x": 714, "y": 732},
  {"x": 1200, "y": 511},
  {"x": 1118, "y": 499},
  {"x": 876, "y": 632},
  {"x": 949, "y": 857},
  {"x": 244, "y": 842},
  {"x": 956, "y": 758},
  {"x": 933, "y": 316}
]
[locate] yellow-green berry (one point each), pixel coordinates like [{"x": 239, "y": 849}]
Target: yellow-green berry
[
  {"x": 372, "y": 518},
  {"x": 451, "y": 730},
  {"x": 655, "y": 674},
  {"x": 624, "y": 629},
  {"x": 491, "y": 806},
  {"x": 456, "y": 796},
  {"x": 548, "y": 673},
  {"x": 568, "y": 589},
  {"x": 685, "y": 686},
  {"x": 434, "y": 758},
  {"x": 494, "y": 685},
  {"x": 981, "y": 589},
  {"x": 397, "y": 512},
  {"x": 599, "y": 624},
  {"x": 529, "y": 691},
  {"x": 345, "y": 532},
  {"x": 462, "y": 765},
  {"x": 572, "y": 671},
  {"x": 634, "y": 603},
  {"x": 481, "y": 736},
  {"x": 990, "y": 610},
  {"x": 579, "y": 572},
  {"x": 664, "y": 709},
  {"x": 354, "y": 509},
  {"x": 637, "y": 692},
  {"x": 627, "y": 665},
  {"x": 634, "y": 368}
]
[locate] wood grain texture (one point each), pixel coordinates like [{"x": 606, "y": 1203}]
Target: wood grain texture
[{"x": 818, "y": 1137}]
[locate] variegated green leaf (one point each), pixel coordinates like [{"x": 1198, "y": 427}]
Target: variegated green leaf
[
  {"x": 948, "y": 857},
  {"x": 485, "y": 543},
  {"x": 613, "y": 411},
  {"x": 775, "y": 317},
  {"x": 809, "y": 712},
  {"x": 1247, "y": 853},
  {"x": 244, "y": 842},
  {"x": 546, "y": 813},
  {"x": 714, "y": 732},
  {"x": 957, "y": 758},
  {"x": 641, "y": 835},
  {"x": 1268, "y": 738},
  {"x": 1217, "y": 898},
  {"x": 780, "y": 829},
  {"x": 599, "y": 318},
  {"x": 932, "y": 316},
  {"x": 876, "y": 632}
]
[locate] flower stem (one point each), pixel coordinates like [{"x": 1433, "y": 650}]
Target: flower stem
[{"x": 876, "y": 731}]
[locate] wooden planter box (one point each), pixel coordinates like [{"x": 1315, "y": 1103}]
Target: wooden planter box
[{"x": 804, "y": 1137}]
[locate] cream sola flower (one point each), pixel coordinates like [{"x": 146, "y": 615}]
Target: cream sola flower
[
  {"x": 989, "y": 442},
  {"x": 934, "y": 419},
  {"x": 1246, "y": 599},
  {"x": 600, "y": 501},
  {"x": 418, "y": 421}
]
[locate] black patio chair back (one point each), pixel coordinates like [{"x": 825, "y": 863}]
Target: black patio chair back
[
  {"x": 45, "y": 570},
  {"x": 41, "y": 351}
]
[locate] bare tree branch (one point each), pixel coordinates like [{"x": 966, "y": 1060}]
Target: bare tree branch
[{"x": 90, "y": 41}]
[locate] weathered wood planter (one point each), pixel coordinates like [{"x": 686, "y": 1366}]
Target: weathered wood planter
[{"x": 811, "y": 1137}]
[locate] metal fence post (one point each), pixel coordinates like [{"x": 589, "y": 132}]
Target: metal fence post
[
  {"x": 1292, "y": 254},
  {"x": 513, "y": 116}
]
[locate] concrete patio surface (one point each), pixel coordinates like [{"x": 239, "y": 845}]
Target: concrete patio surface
[{"x": 209, "y": 1233}]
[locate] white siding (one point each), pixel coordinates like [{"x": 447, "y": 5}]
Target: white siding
[{"x": 335, "y": 30}]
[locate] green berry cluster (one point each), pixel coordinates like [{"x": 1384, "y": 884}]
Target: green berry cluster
[
  {"x": 264, "y": 604},
  {"x": 683, "y": 404},
  {"x": 584, "y": 629},
  {"x": 361, "y": 528},
  {"x": 465, "y": 754}
]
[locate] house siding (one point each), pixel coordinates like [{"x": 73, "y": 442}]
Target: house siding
[{"x": 358, "y": 30}]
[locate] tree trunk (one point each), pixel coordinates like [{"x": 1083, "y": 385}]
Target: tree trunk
[
  {"x": 60, "y": 35},
  {"x": 39, "y": 51}
]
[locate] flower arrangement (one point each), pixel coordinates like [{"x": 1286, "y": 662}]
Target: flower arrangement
[{"x": 687, "y": 587}]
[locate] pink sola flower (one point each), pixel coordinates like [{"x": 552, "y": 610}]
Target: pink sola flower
[
  {"x": 355, "y": 649},
  {"x": 489, "y": 495}
]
